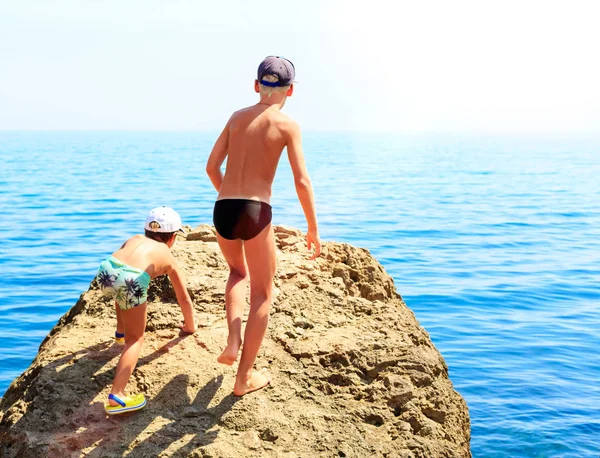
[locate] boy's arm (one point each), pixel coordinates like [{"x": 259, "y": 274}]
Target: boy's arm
[
  {"x": 217, "y": 157},
  {"x": 183, "y": 298},
  {"x": 303, "y": 186}
]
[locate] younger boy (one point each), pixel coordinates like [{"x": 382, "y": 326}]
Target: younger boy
[{"x": 126, "y": 274}]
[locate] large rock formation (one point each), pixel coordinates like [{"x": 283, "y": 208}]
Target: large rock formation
[{"x": 354, "y": 375}]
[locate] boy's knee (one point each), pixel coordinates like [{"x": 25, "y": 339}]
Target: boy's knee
[
  {"x": 260, "y": 295},
  {"x": 242, "y": 274},
  {"x": 131, "y": 338}
]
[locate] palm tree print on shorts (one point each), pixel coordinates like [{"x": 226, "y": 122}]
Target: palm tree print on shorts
[
  {"x": 106, "y": 280},
  {"x": 132, "y": 290}
]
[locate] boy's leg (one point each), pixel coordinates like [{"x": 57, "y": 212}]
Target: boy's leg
[
  {"x": 235, "y": 296},
  {"x": 120, "y": 323},
  {"x": 261, "y": 258},
  {"x": 135, "y": 324}
]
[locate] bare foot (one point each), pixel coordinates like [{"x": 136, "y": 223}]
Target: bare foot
[
  {"x": 229, "y": 355},
  {"x": 256, "y": 381}
]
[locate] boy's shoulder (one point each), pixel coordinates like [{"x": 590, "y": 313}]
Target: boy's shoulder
[
  {"x": 290, "y": 127},
  {"x": 284, "y": 122},
  {"x": 153, "y": 246},
  {"x": 285, "y": 125},
  {"x": 132, "y": 239},
  {"x": 241, "y": 112},
  {"x": 278, "y": 114},
  {"x": 161, "y": 255},
  {"x": 159, "y": 247}
]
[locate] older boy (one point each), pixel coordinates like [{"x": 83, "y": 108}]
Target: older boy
[
  {"x": 252, "y": 141},
  {"x": 126, "y": 274}
]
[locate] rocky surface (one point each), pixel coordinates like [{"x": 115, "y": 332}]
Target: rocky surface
[{"x": 354, "y": 375}]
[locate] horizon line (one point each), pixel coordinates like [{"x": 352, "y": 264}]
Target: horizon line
[{"x": 346, "y": 131}]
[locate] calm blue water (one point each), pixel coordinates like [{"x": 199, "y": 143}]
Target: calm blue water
[{"x": 494, "y": 242}]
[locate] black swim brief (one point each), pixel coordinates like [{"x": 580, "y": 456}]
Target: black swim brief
[{"x": 241, "y": 218}]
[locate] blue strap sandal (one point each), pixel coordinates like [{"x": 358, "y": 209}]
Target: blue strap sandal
[
  {"x": 119, "y": 338},
  {"x": 127, "y": 404}
]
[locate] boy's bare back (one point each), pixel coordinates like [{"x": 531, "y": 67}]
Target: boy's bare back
[
  {"x": 253, "y": 141},
  {"x": 153, "y": 257}
]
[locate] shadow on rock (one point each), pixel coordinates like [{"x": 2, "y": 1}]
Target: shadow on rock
[
  {"x": 169, "y": 417},
  {"x": 190, "y": 425},
  {"x": 69, "y": 385}
]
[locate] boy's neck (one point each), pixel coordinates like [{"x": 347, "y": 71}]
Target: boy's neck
[{"x": 276, "y": 100}]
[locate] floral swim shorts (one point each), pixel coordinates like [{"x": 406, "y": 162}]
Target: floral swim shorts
[{"x": 127, "y": 284}]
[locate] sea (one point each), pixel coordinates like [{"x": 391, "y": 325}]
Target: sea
[{"x": 493, "y": 240}]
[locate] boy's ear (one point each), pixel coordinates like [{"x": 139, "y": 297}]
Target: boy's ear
[
  {"x": 290, "y": 90},
  {"x": 256, "y": 86}
]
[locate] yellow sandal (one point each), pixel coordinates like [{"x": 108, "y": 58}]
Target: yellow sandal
[{"x": 127, "y": 404}]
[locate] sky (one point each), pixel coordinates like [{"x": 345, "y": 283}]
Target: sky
[{"x": 401, "y": 66}]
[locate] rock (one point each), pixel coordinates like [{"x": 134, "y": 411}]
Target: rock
[
  {"x": 204, "y": 232},
  {"x": 354, "y": 374}
]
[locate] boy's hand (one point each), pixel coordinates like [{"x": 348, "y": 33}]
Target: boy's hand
[
  {"x": 312, "y": 240},
  {"x": 189, "y": 328}
]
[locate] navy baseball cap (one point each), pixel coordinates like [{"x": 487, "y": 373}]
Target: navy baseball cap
[{"x": 278, "y": 66}]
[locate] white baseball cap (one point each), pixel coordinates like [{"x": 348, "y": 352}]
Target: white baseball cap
[{"x": 163, "y": 219}]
